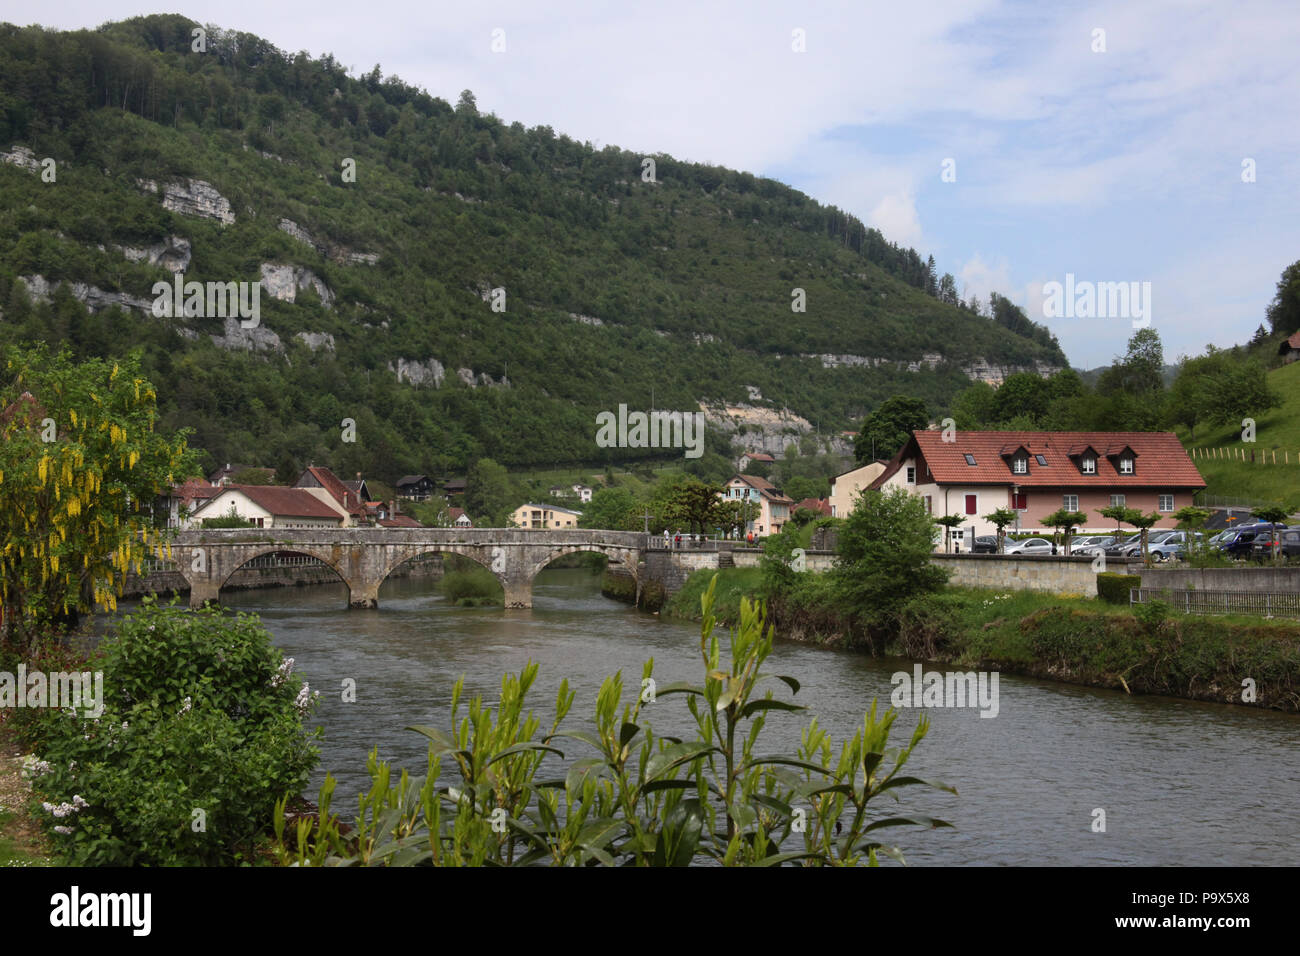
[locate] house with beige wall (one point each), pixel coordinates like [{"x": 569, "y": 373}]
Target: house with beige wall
[
  {"x": 846, "y": 487},
  {"x": 774, "y": 507},
  {"x": 544, "y": 517}
]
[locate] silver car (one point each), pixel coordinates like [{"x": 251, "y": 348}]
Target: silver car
[{"x": 1030, "y": 546}]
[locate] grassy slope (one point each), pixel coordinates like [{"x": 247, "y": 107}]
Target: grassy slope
[{"x": 1276, "y": 431}]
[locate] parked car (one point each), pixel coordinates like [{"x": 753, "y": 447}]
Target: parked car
[
  {"x": 985, "y": 544},
  {"x": 1174, "y": 546},
  {"x": 1238, "y": 542},
  {"x": 1095, "y": 545},
  {"x": 1030, "y": 546},
  {"x": 1268, "y": 545},
  {"x": 1131, "y": 546}
]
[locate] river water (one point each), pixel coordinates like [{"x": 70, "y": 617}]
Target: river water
[{"x": 1181, "y": 782}]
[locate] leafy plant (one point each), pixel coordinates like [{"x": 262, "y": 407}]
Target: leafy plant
[{"x": 628, "y": 796}]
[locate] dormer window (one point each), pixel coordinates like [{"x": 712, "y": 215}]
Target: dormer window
[
  {"x": 1126, "y": 466},
  {"x": 1088, "y": 465},
  {"x": 1019, "y": 466}
]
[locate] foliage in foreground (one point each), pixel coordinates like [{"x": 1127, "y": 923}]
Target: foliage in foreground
[
  {"x": 628, "y": 796},
  {"x": 201, "y": 730}
]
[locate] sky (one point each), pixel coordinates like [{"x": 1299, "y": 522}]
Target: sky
[{"x": 1018, "y": 143}]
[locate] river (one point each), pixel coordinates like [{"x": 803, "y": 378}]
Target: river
[{"x": 1181, "y": 782}]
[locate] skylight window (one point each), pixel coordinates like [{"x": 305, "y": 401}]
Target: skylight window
[
  {"x": 970, "y": 459},
  {"x": 1040, "y": 459}
]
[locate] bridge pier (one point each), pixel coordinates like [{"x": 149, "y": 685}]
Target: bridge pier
[
  {"x": 201, "y": 592},
  {"x": 519, "y": 593},
  {"x": 365, "y": 595}
]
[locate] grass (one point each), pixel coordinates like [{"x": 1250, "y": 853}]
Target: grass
[
  {"x": 1276, "y": 431},
  {"x": 733, "y": 584}
]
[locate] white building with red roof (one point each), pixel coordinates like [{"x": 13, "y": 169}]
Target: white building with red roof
[
  {"x": 268, "y": 506},
  {"x": 1036, "y": 473}
]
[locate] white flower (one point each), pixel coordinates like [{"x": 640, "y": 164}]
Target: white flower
[
  {"x": 306, "y": 697},
  {"x": 79, "y": 802},
  {"x": 186, "y": 708},
  {"x": 282, "y": 674},
  {"x": 63, "y": 830}
]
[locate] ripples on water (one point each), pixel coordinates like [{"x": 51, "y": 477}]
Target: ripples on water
[{"x": 1181, "y": 782}]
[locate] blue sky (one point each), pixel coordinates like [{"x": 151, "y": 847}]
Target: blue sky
[{"x": 1115, "y": 165}]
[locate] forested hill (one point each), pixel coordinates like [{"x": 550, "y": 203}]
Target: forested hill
[{"x": 379, "y": 218}]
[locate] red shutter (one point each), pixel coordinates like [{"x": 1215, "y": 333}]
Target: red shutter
[
  {"x": 1019, "y": 502},
  {"x": 970, "y": 504}
]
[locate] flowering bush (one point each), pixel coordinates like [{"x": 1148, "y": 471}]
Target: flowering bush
[{"x": 201, "y": 733}]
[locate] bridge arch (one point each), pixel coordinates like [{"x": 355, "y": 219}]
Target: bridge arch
[
  {"x": 476, "y": 553},
  {"x": 208, "y": 569}
]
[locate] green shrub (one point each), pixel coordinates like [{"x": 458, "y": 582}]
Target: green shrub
[
  {"x": 200, "y": 733},
  {"x": 1114, "y": 588},
  {"x": 473, "y": 587}
]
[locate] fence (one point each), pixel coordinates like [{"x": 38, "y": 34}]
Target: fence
[
  {"x": 1247, "y": 456},
  {"x": 1266, "y": 603}
]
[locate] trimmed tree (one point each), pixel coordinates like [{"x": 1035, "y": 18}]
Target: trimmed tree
[
  {"x": 1065, "y": 521},
  {"x": 949, "y": 522},
  {"x": 1143, "y": 522},
  {"x": 1273, "y": 514},
  {"x": 1000, "y": 519}
]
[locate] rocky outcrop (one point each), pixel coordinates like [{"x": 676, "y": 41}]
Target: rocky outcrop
[
  {"x": 171, "y": 252},
  {"x": 995, "y": 375},
  {"x": 283, "y": 282},
  {"x": 417, "y": 372},
  {"x": 585, "y": 319},
  {"x": 766, "y": 430},
  {"x": 39, "y": 288},
  {"x": 335, "y": 253},
  {"x": 192, "y": 197},
  {"x": 316, "y": 340},
  {"x": 22, "y": 157},
  {"x": 237, "y": 338}
]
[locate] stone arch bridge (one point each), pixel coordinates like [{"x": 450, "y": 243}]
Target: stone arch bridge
[{"x": 364, "y": 557}]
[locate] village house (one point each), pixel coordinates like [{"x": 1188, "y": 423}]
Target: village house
[
  {"x": 348, "y": 502},
  {"x": 415, "y": 487},
  {"x": 846, "y": 487},
  {"x": 547, "y": 517},
  {"x": 774, "y": 507},
  {"x": 267, "y": 506},
  {"x": 581, "y": 492},
  {"x": 458, "y": 518},
  {"x": 821, "y": 506},
  {"x": 1290, "y": 349},
  {"x": 1037, "y": 473},
  {"x": 750, "y": 457}
]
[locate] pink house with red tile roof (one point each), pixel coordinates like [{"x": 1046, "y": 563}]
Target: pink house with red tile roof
[{"x": 1037, "y": 473}]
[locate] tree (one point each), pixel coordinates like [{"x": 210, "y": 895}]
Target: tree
[
  {"x": 1140, "y": 373},
  {"x": 1191, "y": 519},
  {"x": 695, "y": 506},
  {"x": 288, "y": 471},
  {"x": 253, "y": 476},
  {"x": 489, "y": 492},
  {"x": 80, "y": 469},
  {"x": 888, "y": 428},
  {"x": 1284, "y": 311},
  {"x": 972, "y": 407},
  {"x": 1066, "y": 521},
  {"x": 613, "y": 509},
  {"x": 1000, "y": 519},
  {"x": 1143, "y": 522},
  {"x": 885, "y": 548},
  {"x": 949, "y": 522}
]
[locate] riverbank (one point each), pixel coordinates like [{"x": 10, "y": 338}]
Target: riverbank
[
  {"x": 22, "y": 842},
  {"x": 1225, "y": 659}
]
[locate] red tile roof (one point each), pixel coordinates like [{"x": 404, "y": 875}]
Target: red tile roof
[
  {"x": 281, "y": 501},
  {"x": 1160, "y": 459},
  {"x": 399, "y": 521},
  {"x": 758, "y": 456},
  {"x": 820, "y": 505},
  {"x": 1292, "y": 343},
  {"x": 347, "y": 499},
  {"x": 196, "y": 489},
  {"x": 764, "y": 488}
]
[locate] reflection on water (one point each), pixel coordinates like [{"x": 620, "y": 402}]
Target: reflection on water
[{"x": 1181, "y": 782}]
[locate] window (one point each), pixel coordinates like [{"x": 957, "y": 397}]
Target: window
[
  {"x": 1019, "y": 466},
  {"x": 929, "y": 505},
  {"x": 1040, "y": 459},
  {"x": 1088, "y": 466},
  {"x": 970, "y": 459},
  {"x": 1126, "y": 466},
  {"x": 1019, "y": 501},
  {"x": 1071, "y": 503},
  {"x": 1166, "y": 503},
  {"x": 1117, "y": 501},
  {"x": 972, "y": 504},
  {"x": 911, "y": 474}
]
